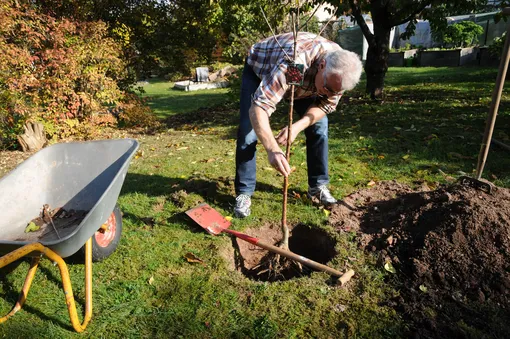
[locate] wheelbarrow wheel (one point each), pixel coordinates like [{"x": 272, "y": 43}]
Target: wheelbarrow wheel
[{"x": 106, "y": 239}]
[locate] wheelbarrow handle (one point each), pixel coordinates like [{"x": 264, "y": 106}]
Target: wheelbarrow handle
[{"x": 288, "y": 254}]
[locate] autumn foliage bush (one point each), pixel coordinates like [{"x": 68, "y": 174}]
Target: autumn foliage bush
[{"x": 60, "y": 72}]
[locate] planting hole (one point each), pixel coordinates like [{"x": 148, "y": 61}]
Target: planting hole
[{"x": 255, "y": 262}]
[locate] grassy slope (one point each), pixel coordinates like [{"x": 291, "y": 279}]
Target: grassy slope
[{"x": 428, "y": 130}]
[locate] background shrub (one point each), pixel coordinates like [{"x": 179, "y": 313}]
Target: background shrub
[
  {"x": 462, "y": 34},
  {"x": 56, "y": 71}
]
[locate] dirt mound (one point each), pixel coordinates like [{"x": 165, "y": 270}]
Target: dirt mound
[{"x": 450, "y": 248}]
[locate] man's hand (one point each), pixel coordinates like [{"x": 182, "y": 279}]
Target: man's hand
[
  {"x": 281, "y": 137},
  {"x": 279, "y": 162}
]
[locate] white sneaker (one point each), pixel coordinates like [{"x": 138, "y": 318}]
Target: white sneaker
[
  {"x": 243, "y": 203},
  {"x": 322, "y": 194}
]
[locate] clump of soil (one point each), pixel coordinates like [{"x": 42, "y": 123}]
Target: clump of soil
[
  {"x": 253, "y": 261},
  {"x": 450, "y": 248},
  {"x": 52, "y": 224}
]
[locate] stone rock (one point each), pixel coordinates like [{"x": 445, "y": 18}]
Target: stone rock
[{"x": 213, "y": 76}]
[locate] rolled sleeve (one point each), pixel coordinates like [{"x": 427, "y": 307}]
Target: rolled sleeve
[
  {"x": 328, "y": 104},
  {"x": 271, "y": 90}
]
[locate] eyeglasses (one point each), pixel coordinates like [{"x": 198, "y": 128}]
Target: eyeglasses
[{"x": 330, "y": 91}]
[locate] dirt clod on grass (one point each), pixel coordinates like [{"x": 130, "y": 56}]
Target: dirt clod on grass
[
  {"x": 253, "y": 261},
  {"x": 450, "y": 249}
]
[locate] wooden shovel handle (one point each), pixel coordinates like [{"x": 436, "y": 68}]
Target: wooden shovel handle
[{"x": 288, "y": 254}]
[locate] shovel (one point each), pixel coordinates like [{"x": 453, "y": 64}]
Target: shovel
[
  {"x": 214, "y": 223},
  {"x": 491, "y": 117}
]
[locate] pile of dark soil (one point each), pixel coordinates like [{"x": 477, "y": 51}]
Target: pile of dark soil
[{"x": 451, "y": 251}]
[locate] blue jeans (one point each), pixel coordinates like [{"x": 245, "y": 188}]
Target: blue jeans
[{"x": 316, "y": 141}]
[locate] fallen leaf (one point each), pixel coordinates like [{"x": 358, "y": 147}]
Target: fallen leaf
[
  {"x": 450, "y": 178},
  {"x": 151, "y": 280},
  {"x": 389, "y": 267},
  {"x": 138, "y": 154},
  {"x": 389, "y": 240},
  {"x": 371, "y": 183},
  {"x": 380, "y": 156},
  {"x": 268, "y": 169},
  {"x": 32, "y": 227},
  {"x": 423, "y": 288},
  {"x": 430, "y": 137},
  {"x": 296, "y": 195},
  {"x": 405, "y": 157},
  {"x": 397, "y": 128},
  {"x": 182, "y": 148},
  {"x": 228, "y": 218},
  {"x": 190, "y": 257},
  {"x": 153, "y": 149},
  {"x": 327, "y": 212},
  {"x": 159, "y": 206}
]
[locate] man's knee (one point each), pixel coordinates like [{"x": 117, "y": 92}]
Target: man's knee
[{"x": 319, "y": 129}]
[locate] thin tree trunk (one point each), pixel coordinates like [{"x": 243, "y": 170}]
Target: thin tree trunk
[{"x": 376, "y": 64}]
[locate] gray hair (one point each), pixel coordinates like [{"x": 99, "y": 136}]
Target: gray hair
[{"x": 346, "y": 64}]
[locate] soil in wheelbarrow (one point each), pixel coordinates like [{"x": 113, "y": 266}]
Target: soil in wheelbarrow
[
  {"x": 258, "y": 264},
  {"x": 449, "y": 250},
  {"x": 52, "y": 224}
]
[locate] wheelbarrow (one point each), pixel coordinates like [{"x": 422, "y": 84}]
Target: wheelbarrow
[{"x": 77, "y": 176}]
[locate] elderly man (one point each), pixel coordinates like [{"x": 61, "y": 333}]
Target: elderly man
[{"x": 328, "y": 72}]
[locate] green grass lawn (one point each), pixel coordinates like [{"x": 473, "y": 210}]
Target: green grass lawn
[
  {"x": 427, "y": 130},
  {"x": 166, "y": 101}
]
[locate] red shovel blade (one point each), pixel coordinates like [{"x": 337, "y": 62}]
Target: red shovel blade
[{"x": 208, "y": 218}]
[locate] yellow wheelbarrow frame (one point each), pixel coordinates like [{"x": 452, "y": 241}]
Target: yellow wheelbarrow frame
[{"x": 66, "y": 282}]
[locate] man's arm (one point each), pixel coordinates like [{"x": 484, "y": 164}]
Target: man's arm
[
  {"x": 313, "y": 115},
  {"x": 260, "y": 123}
]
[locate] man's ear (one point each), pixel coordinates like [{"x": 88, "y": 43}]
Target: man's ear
[{"x": 322, "y": 65}]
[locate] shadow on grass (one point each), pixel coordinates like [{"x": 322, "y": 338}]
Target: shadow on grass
[
  {"x": 210, "y": 117},
  {"x": 215, "y": 191},
  {"x": 450, "y": 135},
  {"x": 11, "y": 295}
]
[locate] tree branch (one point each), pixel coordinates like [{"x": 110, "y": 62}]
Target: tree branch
[
  {"x": 356, "y": 11},
  {"x": 420, "y": 8}
]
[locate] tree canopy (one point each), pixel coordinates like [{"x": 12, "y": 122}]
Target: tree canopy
[{"x": 387, "y": 14}]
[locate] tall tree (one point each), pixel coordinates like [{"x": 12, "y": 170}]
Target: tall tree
[{"x": 387, "y": 14}]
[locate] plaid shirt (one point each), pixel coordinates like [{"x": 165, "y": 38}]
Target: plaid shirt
[{"x": 269, "y": 62}]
